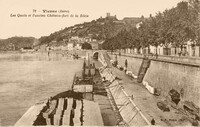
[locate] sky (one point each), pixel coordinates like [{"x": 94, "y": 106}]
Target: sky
[{"x": 17, "y": 16}]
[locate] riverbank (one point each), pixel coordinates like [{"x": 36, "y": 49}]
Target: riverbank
[
  {"x": 166, "y": 75},
  {"x": 153, "y": 106}
]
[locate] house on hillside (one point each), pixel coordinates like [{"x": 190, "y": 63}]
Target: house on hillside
[
  {"x": 78, "y": 39},
  {"x": 132, "y": 20},
  {"x": 88, "y": 39},
  {"x": 138, "y": 24},
  {"x": 70, "y": 45},
  {"x": 78, "y": 46},
  {"x": 59, "y": 47}
]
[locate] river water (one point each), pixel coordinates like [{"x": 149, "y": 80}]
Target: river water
[{"x": 27, "y": 78}]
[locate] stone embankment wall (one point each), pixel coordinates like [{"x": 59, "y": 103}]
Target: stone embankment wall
[
  {"x": 166, "y": 75},
  {"x": 102, "y": 59},
  {"x": 123, "y": 103}
]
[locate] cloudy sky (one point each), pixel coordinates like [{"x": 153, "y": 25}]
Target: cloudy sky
[{"x": 16, "y": 16}]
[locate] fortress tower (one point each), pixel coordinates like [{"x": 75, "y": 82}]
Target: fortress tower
[{"x": 107, "y": 14}]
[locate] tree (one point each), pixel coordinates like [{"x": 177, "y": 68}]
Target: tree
[
  {"x": 86, "y": 46},
  {"x": 195, "y": 16},
  {"x": 174, "y": 26}
]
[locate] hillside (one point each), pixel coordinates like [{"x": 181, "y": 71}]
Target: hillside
[
  {"x": 16, "y": 43},
  {"x": 99, "y": 29}
]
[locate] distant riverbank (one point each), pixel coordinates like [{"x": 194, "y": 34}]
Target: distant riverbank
[{"x": 9, "y": 52}]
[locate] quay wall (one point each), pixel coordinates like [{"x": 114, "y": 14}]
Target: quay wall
[
  {"x": 129, "y": 113},
  {"x": 166, "y": 75}
]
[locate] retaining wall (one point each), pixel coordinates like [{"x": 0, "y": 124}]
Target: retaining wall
[
  {"x": 133, "y": 63},
  {"x": 129, "y": 112},
  {"x": 168, "y": 75}
]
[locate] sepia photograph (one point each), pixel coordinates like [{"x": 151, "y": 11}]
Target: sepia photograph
[{"x": 99, "y": 62}]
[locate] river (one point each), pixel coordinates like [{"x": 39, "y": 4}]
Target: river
[{"x": 27, "y": 78}]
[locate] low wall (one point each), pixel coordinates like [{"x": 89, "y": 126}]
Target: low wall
[
  {"x": 129, "y": 112},
  {"x": 133, "y": 63},
  {"x": 102, "y": 59},
  {"x": 168, "y": 75}
]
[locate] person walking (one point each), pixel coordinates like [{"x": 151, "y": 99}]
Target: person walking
[{"x": 126, "y": 63}]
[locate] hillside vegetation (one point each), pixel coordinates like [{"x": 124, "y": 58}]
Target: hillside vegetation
[
  {"x": 99, "y": 29},
  {"x": 16, "y": 43}
]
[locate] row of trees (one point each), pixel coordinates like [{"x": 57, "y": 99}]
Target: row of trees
[{"x": 174, "y": 26}]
